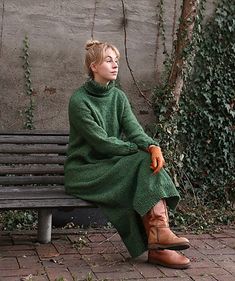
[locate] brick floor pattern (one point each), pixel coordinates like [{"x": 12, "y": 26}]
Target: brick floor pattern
[{"x": 99, "y": 254}]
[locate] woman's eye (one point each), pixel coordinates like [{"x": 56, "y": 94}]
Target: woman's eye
[{"x": 110, "y": 61}]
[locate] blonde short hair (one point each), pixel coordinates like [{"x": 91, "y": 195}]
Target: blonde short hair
[{"x": 95, "y": 52}]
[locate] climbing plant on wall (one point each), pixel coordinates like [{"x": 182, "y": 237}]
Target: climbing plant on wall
[
  {"x": 28, "y": 112},
  {"x": 198, "y": 127},
  {"x": 168, "y": 91},
  {"x": 197, "y": 130},
  {"x": 207, "y": 116}
]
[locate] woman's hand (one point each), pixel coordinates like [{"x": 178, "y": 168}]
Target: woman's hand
[{"x": 157, "y": 158}]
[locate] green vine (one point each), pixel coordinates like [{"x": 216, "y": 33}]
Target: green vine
[
  {"x": 161, "y": 26},
  {"x": 29, "y": 110},
  {"x": 163, "y": 103},
  {"x": 207, "y": 118},
  {"x": 198, "y": 137},
  {"x": 166, "y": 110}
]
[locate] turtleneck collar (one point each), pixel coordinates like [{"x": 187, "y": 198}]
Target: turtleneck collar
[{"x": 98, "y": 89}]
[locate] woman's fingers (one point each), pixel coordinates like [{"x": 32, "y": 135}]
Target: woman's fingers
[
  {"x": 154, "y": 162},
  {"x": 157, "y": 164},
  {"x": 156, "y": 158}
]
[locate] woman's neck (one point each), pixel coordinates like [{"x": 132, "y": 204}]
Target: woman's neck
[{"x": 103, "y": 82}]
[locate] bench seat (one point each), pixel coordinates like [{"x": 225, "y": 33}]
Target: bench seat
[
  {"x": 32, "y": 175},
  {"x": 13, "y": 197}
]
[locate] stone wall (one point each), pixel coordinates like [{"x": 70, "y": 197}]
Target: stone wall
[{"x": 57, "y": 31}]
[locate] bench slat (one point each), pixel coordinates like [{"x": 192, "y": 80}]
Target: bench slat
[
  {"x": 30, "y": 188},
  {"x": 19, "y": 159},
  {"x": 35, "y": 149},
  {"x": 36, "y": 195},
  {"x": 55, "y": 194},
  {"x": 44, "y": 203},
  {"x": 29, "y": 139},
  {"x": 14, "y": 180},
  {"x": 35, "y": 132},
  {"x": 25, "y": 188},
  {"x": 57, "y": 169}
]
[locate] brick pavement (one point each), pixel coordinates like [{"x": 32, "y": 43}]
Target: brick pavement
[{"x": 100, "y": 255}]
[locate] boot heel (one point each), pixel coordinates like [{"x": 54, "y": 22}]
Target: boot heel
[
  {"x": 168, "y": 258},
  {"x": 176, "y": 247}
]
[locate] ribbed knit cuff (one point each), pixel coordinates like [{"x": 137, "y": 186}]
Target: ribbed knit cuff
[
  {"x": 150, "y": 145},
  {"x": 133, "y": 147}
]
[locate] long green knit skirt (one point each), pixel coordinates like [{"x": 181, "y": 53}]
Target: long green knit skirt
[{"x": 125, "y": 189}]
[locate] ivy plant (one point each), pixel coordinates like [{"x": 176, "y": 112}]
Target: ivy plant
[
  {"x": 28, "y": 112},
  {"x": 207, "y": 109},
  {"x": 198, "y": 137}
]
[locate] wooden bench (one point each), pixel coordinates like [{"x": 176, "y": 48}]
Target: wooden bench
[{"x": 32, "y": 175}]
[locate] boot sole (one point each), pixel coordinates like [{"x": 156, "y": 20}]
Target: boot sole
[
  {"x": 176, "y": 247},
  {"x": 176, "y": 266}
]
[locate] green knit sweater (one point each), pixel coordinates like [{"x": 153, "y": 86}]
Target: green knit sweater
[{"x": 110, "y": 170}]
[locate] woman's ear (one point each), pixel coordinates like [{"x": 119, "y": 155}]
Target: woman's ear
[{"x": 93, "y": 67}]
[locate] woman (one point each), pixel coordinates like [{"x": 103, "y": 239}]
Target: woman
[{"x": 123, "y": 176}]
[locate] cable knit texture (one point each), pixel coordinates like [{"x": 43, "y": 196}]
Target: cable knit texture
[{"x": 108, "y": 164}]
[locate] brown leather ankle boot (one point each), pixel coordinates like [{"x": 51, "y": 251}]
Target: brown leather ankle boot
[
  {"x": 158, "y": 232},
  {"x": 168, "y": 258}
]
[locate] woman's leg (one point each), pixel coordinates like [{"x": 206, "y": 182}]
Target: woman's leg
[
  {"x": 159, "y": 235},
  {"x": 162, "y": 241}
]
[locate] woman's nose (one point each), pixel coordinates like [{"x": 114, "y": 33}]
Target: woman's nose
[{"x": 115, "y": 64}]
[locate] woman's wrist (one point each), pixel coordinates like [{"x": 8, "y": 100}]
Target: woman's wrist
[{"x": 152, "y": 146}]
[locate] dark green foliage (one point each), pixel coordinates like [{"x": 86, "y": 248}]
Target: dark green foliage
[
  {"x": 28, "y": 112},
  {"x": 12, "y": 220},
  {"x": 207, "y": 109},
  {"x": 198, "y": 137}
]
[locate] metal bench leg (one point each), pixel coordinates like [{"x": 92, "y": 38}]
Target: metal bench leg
[{"x": 44, "y": 225}]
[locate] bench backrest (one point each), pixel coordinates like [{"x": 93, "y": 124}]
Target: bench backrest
[{"x": 32, "y": 158}]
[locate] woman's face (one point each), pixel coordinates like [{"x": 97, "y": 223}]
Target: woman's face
[{"x": 107, "y": 70}]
